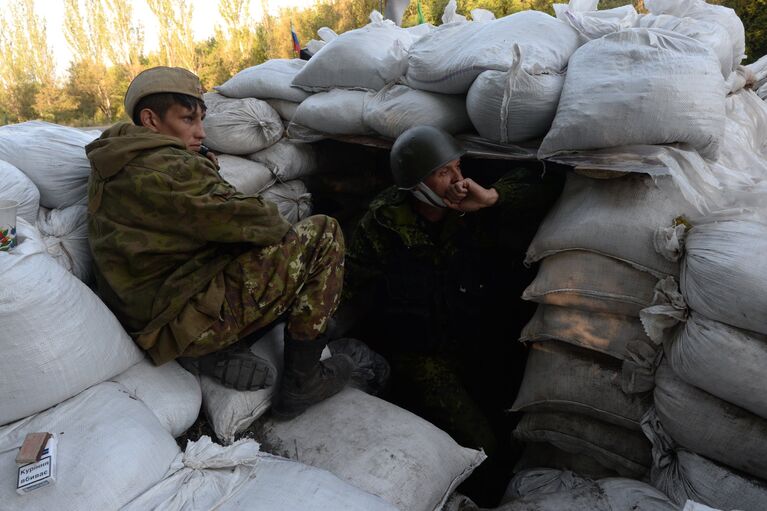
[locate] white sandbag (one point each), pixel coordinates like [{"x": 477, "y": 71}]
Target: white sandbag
[
  {"x": 209, "y": 476},
  {"x": 670, "y": 87},
  {"x": 57, "y": 337},
  {"x": 65, "y": 233},
  {"x": 514, "y": 106},
  {"x": 14, "y": 185},
  {"x": 336, "y": 112},
  {"x": 625, "y": 451},
  {"x": 703, "y": 11},
  {"x": 615, "y": 217},
  {"x": 110, "y": 449},
  {"x": 535, "y": 481},
  {"x": 713, "y": 428},
  {"x": 231, "y": 411},
  {"x": 292, "y": 198},
  {"x": 724, "y": 361},
  {"x": 724, "y": 272},
  {"x": 52, "y": 156},
  {"x": 375, "y": 446},
  {"x": 543, "y": 454},
  {"x": 214, "y": 100},
  {"x": 365, "y": 58},
  {"x": 592, "y": 23},
  {"x": 606, "y": 333},
  {"x": 449, "y": 59},
  {"x": 689, "y": 476},
  {"x": 591, "y": 282},
  {"x": 171, "y": 392},
  {"x": 242, "y": 126},
  {"x": 395, "y": 109},
  {"x": 709, "y": 34},
  {"x": 288, "y": 160},
  {"x": 564, "y": 378},
  {"x": 286, "y": 109},
  {"x": 269, "y": 80},
  {"x": 614, "y": 494},
  {"x": 247, "y": 176}
]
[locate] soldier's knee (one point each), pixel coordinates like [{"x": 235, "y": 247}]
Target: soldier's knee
[{"x": 326, "y": 228}]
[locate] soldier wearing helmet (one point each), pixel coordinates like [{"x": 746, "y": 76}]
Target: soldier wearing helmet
[
  {"x": 192, "y": 267},
  {"x": 426, "y": 284}
]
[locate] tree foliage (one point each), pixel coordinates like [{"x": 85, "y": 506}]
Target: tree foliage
[{"x": 107, "y": 45}]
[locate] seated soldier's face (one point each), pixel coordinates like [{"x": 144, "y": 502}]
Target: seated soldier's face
[
  {"x": 441, "y": 179},
  {"x": 184, "y": 123}
]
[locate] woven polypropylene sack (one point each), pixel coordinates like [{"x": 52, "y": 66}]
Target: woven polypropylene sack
[
  {"x": 65, "y": 232},
  {"x": 670, "y": 86},
  {"x": 242, "y": 126},
  {"x": 288, "y": 160},
  {"x": 292, "y": 198},
  {"x": 247, "y": 176},
  {"x": 14, "y": 185},
  {"x": 337, "y": 112},
  {"x": 269, "y": 80}
]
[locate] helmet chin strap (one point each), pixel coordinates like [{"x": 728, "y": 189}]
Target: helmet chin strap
[{"x": 426, "y": 195}]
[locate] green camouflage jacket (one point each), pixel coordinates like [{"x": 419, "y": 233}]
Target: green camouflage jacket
[{"x": 162, "y": 226}]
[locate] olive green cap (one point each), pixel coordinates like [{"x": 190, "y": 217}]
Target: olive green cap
[
  {"x": 162, "y": 79},
  {"x": 419, "y": 151}
]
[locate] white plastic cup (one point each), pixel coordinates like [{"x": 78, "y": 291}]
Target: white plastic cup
[{"x": 8, "y": 224}]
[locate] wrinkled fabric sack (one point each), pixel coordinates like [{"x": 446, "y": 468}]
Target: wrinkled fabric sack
[
  {"x": 242, "y": 126},
  {"x": 564, "y": 378},
  {"x": 395, "y": 109},
  {"x": 337, "y": 112},
  {"x": 543, "y": 454},
  {"x": 15, "y": 185},
  {"x": 670, "y": 87},
  {"x": 365, "y": 58},
  {"x": 65, "y": 233},
  {"x": 448, "y": 59},
  {"x": 269, "y": 80},
  {"x": 616, "y": 217},
  {"x": 722, "y": 360},
  {"x": 591, "y": 282},
  {"x": 286, "y": 109},
  {"x": 592, "y": 23},
  {"x": 111, "y": 448},
  {"x": 708, "y": 426},
  {"x": 57, "y": 337},
  {"x": 171, "y": 392},
  {"x": 541, "y": 480},
  {"x": 724, "y": 274},
  {"x": 514, "y": 106},
  {"x": 625, "y": 451},
  {"x": 52, "y": 156},
  {"x": 288, "y": 160},
  {"x": 292, "y": 198},
  {"x": 210, "y": 476},
  {"x": 247, "y": 176},
  {"x": 375, "y": 446}
]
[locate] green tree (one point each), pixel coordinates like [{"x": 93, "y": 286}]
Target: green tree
[{"x": 177, "y": 46}]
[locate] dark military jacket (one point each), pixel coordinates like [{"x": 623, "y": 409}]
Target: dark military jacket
[
  {"x": 432, "y": 279},
  {"x": 162, "y": 226}
]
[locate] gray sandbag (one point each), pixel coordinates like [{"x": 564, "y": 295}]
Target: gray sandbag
[
  {"x": 292, "y": 198},
  {"x": 247, "y": 176},
  {"x": 591, "y": 282},
  {"x": 242, "y": 126},
  {"x": 616, "y": 217},
  {"x": 268, "y": 80},
  {"x": 543, "y": 454},
  {"x": 564, "y": 378},
  {"x": 725, "y": 361},
  {"x": 625, "y": 451},
  {"x": 713, "y": 428}
]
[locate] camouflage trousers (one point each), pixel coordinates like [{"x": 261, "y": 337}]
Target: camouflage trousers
[{"x": 298, "y": 279}]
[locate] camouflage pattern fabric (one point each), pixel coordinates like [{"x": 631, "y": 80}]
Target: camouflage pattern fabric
[
  {"x": 162, "y": 228},
  {"x": 299, "y": 278}
]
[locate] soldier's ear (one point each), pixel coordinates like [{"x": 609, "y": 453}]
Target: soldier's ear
[{"x": 150, "y": 119}]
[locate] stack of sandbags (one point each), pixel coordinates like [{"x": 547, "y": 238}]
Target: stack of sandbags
[
  {"x": 711, "y": 415},
  {"x": 65, "y": 234},
  {"x": 208, "y": 476},
  {"x": 591, "y": 363},
  {"x": 759, "y": 70},
  {"x": 510, "y": 69},
  {"x": 15, "y": 185},
  {"x": 554, "y": 490}
]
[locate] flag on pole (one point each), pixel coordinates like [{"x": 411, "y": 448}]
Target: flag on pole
[
  {"x": 294, "y": 36},
  {"x": 420, "y": 18}
]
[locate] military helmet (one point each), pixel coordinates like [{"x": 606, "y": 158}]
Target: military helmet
[{"x": 419, "y": 151}]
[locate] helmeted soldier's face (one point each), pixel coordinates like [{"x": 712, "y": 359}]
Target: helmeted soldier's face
[
  {"x": 180, "y": 122},
  {"x": 441, "y": 179}
]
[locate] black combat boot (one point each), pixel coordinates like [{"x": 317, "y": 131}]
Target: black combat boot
[
  {"x": 306, "y": 380},
  {"x": 235, "y": 367}
]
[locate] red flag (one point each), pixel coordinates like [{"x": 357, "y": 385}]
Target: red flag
[{"x": 294, "y": 36}]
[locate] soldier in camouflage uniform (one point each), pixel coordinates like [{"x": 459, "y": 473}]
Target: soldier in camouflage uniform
[
  {"x": 428, "y": 278},
  {"x": 191, "y": 267}
]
